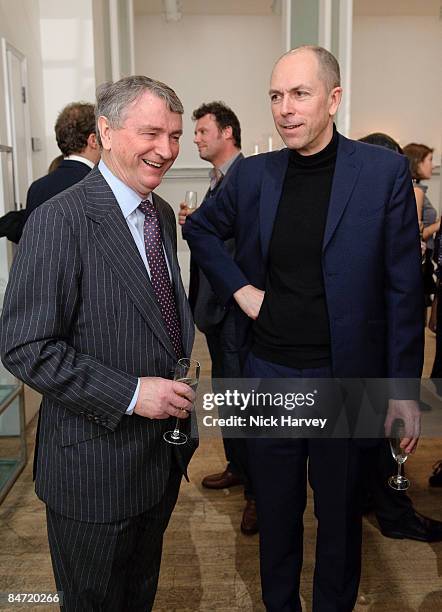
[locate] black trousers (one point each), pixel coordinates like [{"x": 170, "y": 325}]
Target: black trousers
[
  {"x": 110, "y": 567},
  {"x": 389, "y": 505},
  {"x": 436, "y": 373},
  {"x": 279, "y": 469},
  {"x": 221, "y": 342}
]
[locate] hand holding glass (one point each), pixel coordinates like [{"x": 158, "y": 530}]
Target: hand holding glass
[
  {"x": 186, "y": 371},
  {"x": 191, "y": 200},
  {"x": 398, "y": 482}
]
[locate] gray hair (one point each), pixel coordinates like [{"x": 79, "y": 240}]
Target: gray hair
[
  {"x": 329, "y": 72},
  {"x": 114, "y": 98}
]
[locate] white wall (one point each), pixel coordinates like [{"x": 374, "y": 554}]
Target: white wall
[
  {"x": 205, "y": 58},
  {"x": 216, "y": 57},
  {"x": 396, "y": 85},
  {"x": 68, "y": 60},
  {"x": 20, "y": 25},
  {"x": 396, "y": 82}
]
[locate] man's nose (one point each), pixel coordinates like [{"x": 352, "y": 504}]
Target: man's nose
[
  {"x": 287, "y": 106},
  {"x": 163, "y": 147}
]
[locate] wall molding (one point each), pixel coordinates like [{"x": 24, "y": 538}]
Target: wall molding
[{"x": 187, "y": 172}]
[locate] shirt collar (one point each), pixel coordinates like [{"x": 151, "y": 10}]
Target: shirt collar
[
  {"x": 222, "y": 169},
  {"x": 225, "y": 167},
  {"x": 81, "y": 159},
  {"x": 128, "y": 200}
]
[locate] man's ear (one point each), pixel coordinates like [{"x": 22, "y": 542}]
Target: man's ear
[
  {"x": 227, "y": 132},
  {"x": 105, "y": 132},
  {"x": 92, "y": 141},
  {"x": 335, "y": 100}
]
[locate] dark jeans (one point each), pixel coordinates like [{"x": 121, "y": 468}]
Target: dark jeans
[
  {"x": 221, "y": 342},
  {"x": 437, "y": 366},
  {"x": 279, "y": 469}
]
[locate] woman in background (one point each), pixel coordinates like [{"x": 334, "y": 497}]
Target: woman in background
[
  {"x": 395, "y": 513},
  {"x": 420, "y": 158},
  {"x": 421, "y": 166}
]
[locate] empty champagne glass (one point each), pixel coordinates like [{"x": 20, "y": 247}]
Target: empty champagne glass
[
  {"x": 186, "y": 371},
  {"x": 191, "y": 199},
  {"x": 398, "y": 481}
]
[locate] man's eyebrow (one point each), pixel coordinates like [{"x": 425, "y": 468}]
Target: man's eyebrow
[
  {"x": 156, "y": 128},
  {"x": 300, "y": 87},
  {"x": 151, "y": 128}
]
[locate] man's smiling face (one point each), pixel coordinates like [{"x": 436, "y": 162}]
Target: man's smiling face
[{"x": 141, "y": 150}]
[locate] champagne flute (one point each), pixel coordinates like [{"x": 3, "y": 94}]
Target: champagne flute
[
  {"x": 186, "y": 371},
  {"x": 398, "y": 481},
  {"x": 191, "y": 200}
]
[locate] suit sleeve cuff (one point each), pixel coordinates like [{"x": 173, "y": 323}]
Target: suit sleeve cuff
[{"x": 131, "y": 407}]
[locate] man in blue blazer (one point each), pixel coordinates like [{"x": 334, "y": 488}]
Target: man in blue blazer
[
  {"x": 326, "y": 278},
  {"x": 218, "y": 138},
  {"x": 76, "y": 139}
]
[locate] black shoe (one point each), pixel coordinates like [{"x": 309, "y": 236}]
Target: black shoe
[
  {"x": 424, "y": 407},
  {"x": 249, "y": 523},
  {"x": 367, "y": 505},
  {"x": 436, "y": 479},
  {"x": 413, "y": 526}
]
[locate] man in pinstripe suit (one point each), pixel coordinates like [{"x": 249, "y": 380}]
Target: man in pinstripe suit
[{"x": 95, "y": 317}]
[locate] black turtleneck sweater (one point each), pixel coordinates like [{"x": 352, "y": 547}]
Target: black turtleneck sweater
[{"x": 293, "y": 326}]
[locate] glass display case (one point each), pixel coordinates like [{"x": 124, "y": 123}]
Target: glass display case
[
  {"x": 7, "y": 204},
  {"x": 12, "y": 431},
  {"x": 12, "y": 413}
]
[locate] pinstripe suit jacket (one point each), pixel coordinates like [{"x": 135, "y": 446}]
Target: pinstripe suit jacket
[{"x": 80, "y": 323}]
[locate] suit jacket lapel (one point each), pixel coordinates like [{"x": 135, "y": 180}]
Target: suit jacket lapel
[
  {"x": 114, "y": 240},
  {"x": 346, "y": 173},
  {"x": 272, "y": 183}
]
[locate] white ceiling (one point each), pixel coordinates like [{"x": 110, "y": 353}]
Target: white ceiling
[{"x": 263, "y": 7}]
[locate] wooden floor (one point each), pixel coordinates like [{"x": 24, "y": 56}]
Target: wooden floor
[{"x": 208, "y": 565}]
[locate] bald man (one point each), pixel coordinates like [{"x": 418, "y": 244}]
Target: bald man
[{"x": 326, "y": 280}]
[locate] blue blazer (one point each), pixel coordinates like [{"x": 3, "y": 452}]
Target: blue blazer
[
  {"x": 46, "y": 187},
  {"x": 370, "y": 258}
]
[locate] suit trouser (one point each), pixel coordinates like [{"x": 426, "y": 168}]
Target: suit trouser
[
  {"x": 110, "y": 567},
  {"x": 389, "y": 505},
  {"x": 279, "y": 474},
  {"x": 436, "y": 372},
  {"x": 221, "y": 342}
]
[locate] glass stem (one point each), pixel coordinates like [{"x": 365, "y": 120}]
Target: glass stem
[{"x": 399, "y": 470}]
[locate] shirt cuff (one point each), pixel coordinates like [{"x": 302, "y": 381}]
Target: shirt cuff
[{"x": 131, "y": 407}]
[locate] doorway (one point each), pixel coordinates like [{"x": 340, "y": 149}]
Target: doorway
[{"x": 18, "y": 120}]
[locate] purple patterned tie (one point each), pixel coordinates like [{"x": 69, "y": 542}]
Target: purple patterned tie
[{"x": 159, "y": 275}]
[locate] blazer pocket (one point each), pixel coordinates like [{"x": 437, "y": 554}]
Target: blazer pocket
[
  {"x": 364, "y": 216},
  {"x": 74, "y": 430},
  {"x": 373, "y": 323},
  {"x": 362, "y": 221}
]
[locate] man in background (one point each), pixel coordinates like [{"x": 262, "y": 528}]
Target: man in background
[
  {"x": 76, "y": 139},
  {"x": 394, "y": 510},
  {"x": 218, "y": 138}
]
